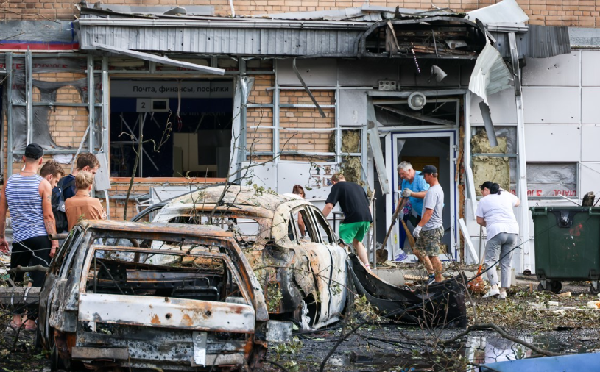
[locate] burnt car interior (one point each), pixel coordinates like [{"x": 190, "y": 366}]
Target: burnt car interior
[{"x": 184, "y": 271}]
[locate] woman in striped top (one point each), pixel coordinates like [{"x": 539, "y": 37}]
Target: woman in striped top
[{"x": 28, "y": 198}]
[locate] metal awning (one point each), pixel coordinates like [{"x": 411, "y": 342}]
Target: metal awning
[
  {"x": 223, "y": 37},
  {"x": 159, "y": 59}
]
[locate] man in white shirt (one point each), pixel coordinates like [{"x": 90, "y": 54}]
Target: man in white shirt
[{"x": 495, "y": 212}]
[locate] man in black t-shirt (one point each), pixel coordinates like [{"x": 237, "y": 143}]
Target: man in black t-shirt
[{"x": 355, "y": 205}]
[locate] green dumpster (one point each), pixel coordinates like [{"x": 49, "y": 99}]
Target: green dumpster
[{"x": 566, "y": 246}]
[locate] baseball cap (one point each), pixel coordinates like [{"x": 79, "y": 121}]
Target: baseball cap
[
  {"x": 487, "y": 184},
  {"x": 34, "y": 151},
  {"x": 429, "y": 169}
]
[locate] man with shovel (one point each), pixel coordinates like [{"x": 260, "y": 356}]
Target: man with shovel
[{"x": 413, "y": 188}]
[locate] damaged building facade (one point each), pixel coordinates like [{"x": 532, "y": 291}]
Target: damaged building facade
[{"x": 204, "y": 96}]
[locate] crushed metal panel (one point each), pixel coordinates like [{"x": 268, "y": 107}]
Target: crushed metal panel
[
  {"x": 561, "y": 70},
  {"x": 547, "y": 42},
  {"x": 490, "y": 74},
  {"x": 159, "y": 59},
  {"x": 506, "y": 11},
  {"x": 487, "y": 123},
  {"x": 538, "y": 42}
]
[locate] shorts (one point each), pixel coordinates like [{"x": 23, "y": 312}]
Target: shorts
[
  {"x": 354, "y": 230},
  {"x": 429, "y": 241}
]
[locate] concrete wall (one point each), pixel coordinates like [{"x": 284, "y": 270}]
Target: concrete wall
[{"x": 579, "y": 13}]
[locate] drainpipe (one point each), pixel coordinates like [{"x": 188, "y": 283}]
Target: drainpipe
[{"x": 523, "y": 215}]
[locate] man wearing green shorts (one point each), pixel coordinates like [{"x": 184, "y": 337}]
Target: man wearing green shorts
[{"x": 355, "y": 205}]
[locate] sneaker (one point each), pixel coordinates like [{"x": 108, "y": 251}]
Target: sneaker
[
  {"x": 502, "y": 295},
  {"x": 400, "y": 257},
  {"x": 492, "y": 293},
  {"x": 431, "y": 279}
]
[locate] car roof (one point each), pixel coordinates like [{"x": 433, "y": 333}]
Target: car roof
[
  {"x": 236, "y": 196},
  {"x": 160, "y": 228}
]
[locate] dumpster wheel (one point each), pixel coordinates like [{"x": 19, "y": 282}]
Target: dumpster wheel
[
  {"x": 553, "y": 285},
  {"x": 594, "y": 289}
]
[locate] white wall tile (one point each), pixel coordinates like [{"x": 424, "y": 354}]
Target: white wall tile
[
  {"x": 590, "y": 60},
  {"x": 550, "y": 105},
  {"x": 590, "y": 178},
  {"x": 556, "y": 142},
  {"x": 561, "y": 70},
  {"x": 590, "y": 143},
  {"x": 590, "y": 109}
]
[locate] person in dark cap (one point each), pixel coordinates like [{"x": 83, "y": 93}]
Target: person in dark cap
[
  {"x": 28, "y": 198},
  {"x": 429, "y": 231}
]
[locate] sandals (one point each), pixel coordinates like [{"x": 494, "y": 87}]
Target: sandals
[{"x": 12, "y": 325}]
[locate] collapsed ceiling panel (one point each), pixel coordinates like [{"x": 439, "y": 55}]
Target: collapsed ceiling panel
[{"x": 449, "y": 36}]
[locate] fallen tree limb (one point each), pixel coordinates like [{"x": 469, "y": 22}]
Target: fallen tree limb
[{"x": 28, "y": 269}]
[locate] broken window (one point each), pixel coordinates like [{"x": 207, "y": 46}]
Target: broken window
[
  {"x": 303, "y": 224},
  {"x": 417, "y": 110},
  {"x": 548, "y": 180},
  {"x": 162, "y": 274},
  {"x": 185, "y": 127},
  {"x": 323, "y": 228}
]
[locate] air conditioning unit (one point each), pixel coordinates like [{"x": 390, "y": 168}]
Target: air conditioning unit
[{"x": 388, "y": 85}]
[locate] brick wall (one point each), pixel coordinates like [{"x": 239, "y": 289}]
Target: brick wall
[
  {"x": 579, "y": 13},
  {"x": 305, "y": 118},
  {"x": 258, "y": 139}
]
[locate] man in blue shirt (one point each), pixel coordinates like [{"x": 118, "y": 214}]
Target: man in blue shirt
[{"x": 413, "y": 189}]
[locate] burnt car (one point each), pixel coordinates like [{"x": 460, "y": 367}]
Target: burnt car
[
  {"x": 288, "y": 242},
  {"x": 152, "y": 296}
]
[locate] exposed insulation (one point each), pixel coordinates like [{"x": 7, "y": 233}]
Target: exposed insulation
[
  {"x": 481, "y": 145},
  {"x": 352, "y": 169},
  {"x": 493, "y": 169},
  {"x": 350, "y": 141},
  {"x": 487, "y": 168}
]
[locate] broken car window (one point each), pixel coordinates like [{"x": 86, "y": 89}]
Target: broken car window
[
  {"x": 323, "y": 227},
  {"x": 162, "y": 274}
]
